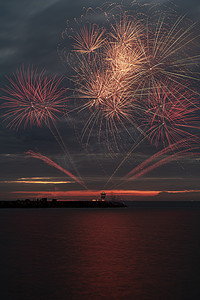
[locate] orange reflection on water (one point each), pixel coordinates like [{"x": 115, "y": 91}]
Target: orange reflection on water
[{"x": 103, "y": 264}]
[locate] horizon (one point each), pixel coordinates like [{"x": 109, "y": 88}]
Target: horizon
[{"x": 124, "y": 195}]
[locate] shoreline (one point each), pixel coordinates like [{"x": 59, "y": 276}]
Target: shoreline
[{"x": 44, "y": 203}]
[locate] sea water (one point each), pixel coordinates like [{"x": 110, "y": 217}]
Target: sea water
[{"x": 121, "y": 253}]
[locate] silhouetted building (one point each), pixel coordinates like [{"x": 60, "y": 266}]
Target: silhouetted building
[{"x": 103, "y": 196}]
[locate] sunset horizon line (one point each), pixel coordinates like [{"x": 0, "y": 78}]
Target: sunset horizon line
[{"x": 96, "y": 193}]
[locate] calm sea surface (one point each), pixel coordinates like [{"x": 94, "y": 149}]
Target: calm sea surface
[{"x": 80, "y": 254}]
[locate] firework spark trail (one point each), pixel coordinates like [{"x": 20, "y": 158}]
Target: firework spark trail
[
  {"x": 53, "y": 164},
  {"x": 65, "y": 149},
  {"x": 172, "y": 148},
  {"x": 163, "y": 161},
  {"x": 143, "y": 167},
  {"x": 124, "y": 159}
]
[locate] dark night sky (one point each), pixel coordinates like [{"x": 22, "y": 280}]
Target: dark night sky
[{"x": 30, "y": 32}]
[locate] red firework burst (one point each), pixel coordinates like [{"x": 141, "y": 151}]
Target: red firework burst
[
  {"x": 33, "y": 98},
  {"x": 170, "y": 115}
]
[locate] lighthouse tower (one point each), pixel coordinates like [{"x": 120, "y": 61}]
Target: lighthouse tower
[{"x": 103, "y": 196}]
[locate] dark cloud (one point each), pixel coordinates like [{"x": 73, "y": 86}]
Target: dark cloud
[{"x": 30, "y": 31}]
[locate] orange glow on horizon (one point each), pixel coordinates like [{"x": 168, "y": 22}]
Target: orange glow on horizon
[
  {"x": 90, "y": 193},
  {"x": 96, "y": 193},
  {"x": 38, "y": 182}
]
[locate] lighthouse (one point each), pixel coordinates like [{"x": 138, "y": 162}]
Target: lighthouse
[{"x": 103, "y": 196}]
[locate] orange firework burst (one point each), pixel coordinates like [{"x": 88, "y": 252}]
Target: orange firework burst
[
  {"x": 126, "y": 31},
  {"x": 88, "y": 39},
  {"x": 109, "y": 101},
  {"x": 103, "y": 80},
  {"x": 168, "y": 49},
  {"x": 33, "y": 98},
  {"x": 96, "y": 90},
  {"x": 118, "y": 108},
  {"x": 125, "y": 62}
]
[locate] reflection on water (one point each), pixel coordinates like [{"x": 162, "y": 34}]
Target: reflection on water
[{"x": 99, "y": 254}]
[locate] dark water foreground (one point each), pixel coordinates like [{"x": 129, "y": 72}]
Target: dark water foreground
[{"x": 127, "y": 253}]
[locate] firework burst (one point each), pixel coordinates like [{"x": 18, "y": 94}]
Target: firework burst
[
  {"x": 36, "y": 99},
  {"x": 126, "y": 30},
  {"x": 33, "y": 98},
  {"x": 144, "y": 70},
  {"x": 171, "y": 114},
  {"x": 88, "y": 39},
  {"x": 169, "y": 51}
]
